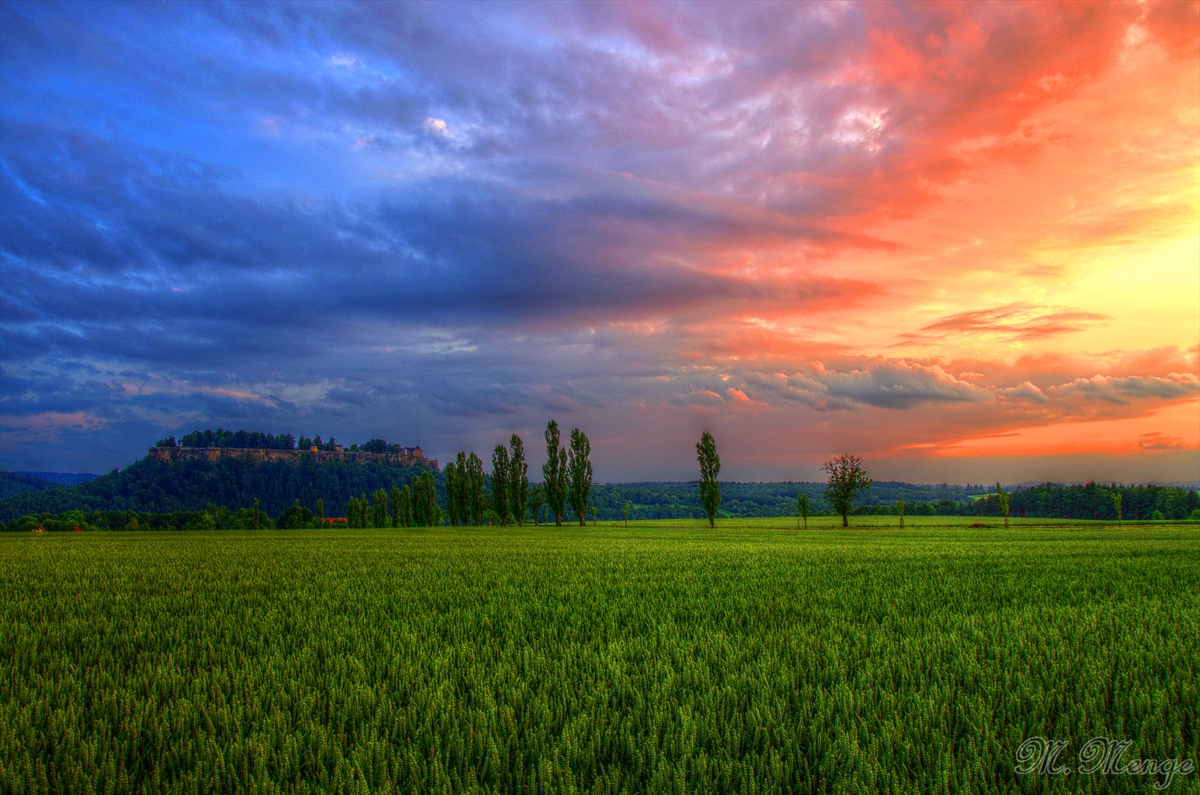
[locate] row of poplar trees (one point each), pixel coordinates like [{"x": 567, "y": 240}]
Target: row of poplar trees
[
  {"x": 566, "y": 476},
  {"x": 414, "y": 506}
]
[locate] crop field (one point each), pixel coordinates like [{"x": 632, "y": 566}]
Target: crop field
[{"x": 663, "y": 657}]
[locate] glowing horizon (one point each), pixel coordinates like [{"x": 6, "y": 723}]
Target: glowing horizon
[{"x": 962, "y": 241}]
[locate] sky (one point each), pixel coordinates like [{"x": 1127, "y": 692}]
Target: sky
[{"x": 960, "y": 240}]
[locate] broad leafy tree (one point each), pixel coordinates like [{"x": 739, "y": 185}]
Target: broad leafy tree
[
  {"x": 537, "y": 498},
  {"x": 846, "y": 479},
  {"x": 710, "y": 467}
]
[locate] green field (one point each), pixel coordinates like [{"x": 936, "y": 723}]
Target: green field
[{"x": 665, "y": 657}]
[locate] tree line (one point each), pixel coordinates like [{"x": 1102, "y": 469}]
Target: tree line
[{"x": 393, "y": 495}]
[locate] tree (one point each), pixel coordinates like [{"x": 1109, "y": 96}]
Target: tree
[
  {"x": 379, "y": 508},
  {"x": 900, "y": 510},
  {"x": 710, "y": 467},
  {"x": 320, "y": 509},
  {"x": 396, "y": 507},
  {"x": 1116, "y": 498},
  {"x": 295, "y": 517},
  {"x": 473, "y": 482},
  {"x": 518, "y": 479},
  {"x": 1005, "y": 500},
  {"x": 500, "y": 484},
  {"x": 802, "y": 508},
  {"x": 846, "y": 479},
  {"x": 404, "y": 512},
  {"x": 537, "y": 498},
  {"x": 452, "y": 497},
  {"x": 627, "y": 507},
  {"x": 554, "y": 474},
  {"x": 593, "y": 510},
  {"x": 580, "y": 471},
  {"x": 256, "y": 512},
  {"x": 426, "y": 512}
]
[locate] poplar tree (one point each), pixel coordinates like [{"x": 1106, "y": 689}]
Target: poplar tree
[
  {"x": 579, "y": 468},
  {"x": 474, "y": 483},
  {"x": 379, "y": 509},
  {"x": 405, "y": 507},
  {"x": 462, "y": 489},
  {"x": 710, "y": 467},
  {"x": 500, "y": 464},
  {"x": 802, "y": 508},
  {"x": 396, "y": 507},
  {"x": 554, "y": 474},
  {"x": 518, "y": 479},
  {"x": 452, "y": 500}
]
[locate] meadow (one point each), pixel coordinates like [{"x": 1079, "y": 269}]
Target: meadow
[{"x": 662, "y": 657}]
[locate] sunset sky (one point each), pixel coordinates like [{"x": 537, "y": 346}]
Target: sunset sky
[{"x": 959, "y": 240}]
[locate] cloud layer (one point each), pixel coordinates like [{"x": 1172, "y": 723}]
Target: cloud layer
[{"x": 880, "y": 227}]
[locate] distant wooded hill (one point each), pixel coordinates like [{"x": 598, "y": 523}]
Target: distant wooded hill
[
  {"x": 14, "y": 483},
  {"x": 234, "y": 483}
]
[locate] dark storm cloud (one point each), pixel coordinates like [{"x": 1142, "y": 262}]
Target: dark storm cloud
[{"x": 431, "y": 217}]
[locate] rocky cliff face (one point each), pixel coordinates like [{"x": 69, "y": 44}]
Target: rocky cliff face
[{"x": 409, "y": 456}]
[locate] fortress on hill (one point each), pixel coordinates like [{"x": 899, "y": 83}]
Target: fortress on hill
[{"x": 408, "y": 456}]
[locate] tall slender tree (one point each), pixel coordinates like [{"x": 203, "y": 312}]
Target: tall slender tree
[
  {"x": 452, "y": 498},
  {"x": 379, "y": 508},
  {"x": 518, "y": 479},
  {"x": 554, "y": 474},
  {"x": 396, "y": 507},
  {"x": 405, "y": 508},
  {"x": 426, "y": 512},
  {"x": 1004, "y": 499},
  {"x": 579, "y": 470},
  {"x": 710, "y": 467},
  {"x": 500, "y": 465},
  {"x": 802, "y": 508},
  {"x": 474, "y": 489}
]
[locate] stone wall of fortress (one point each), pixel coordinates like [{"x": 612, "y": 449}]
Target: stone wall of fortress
[{"x": 412, "y": 456}]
